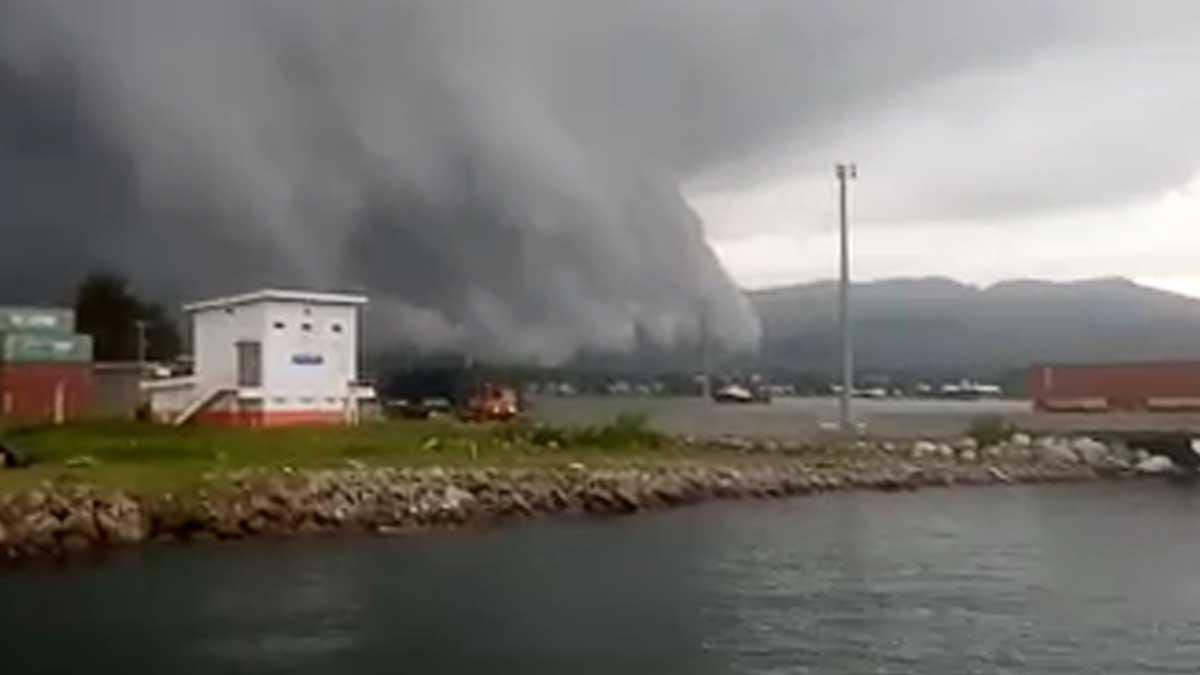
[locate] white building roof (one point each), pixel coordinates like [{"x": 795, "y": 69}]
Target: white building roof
[{"x": 277, "y": 295}]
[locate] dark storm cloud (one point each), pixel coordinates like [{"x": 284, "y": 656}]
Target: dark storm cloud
[
  {"x": 502, "y": 175},
  {"x": 1093, "y": 107}
]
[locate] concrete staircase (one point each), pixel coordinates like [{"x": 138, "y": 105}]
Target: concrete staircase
[{"x": 201, "y": 403}]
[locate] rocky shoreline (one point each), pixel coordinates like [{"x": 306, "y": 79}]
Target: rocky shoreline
[{"x": 63, "y": 518}]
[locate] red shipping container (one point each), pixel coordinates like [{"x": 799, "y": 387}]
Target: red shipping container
[
  {"x": 45, "y": 392},
  {"x": 1160, "y": 385}
]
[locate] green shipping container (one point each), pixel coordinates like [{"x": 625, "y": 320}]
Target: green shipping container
[
  {"x": 37, "y": 320},
  {"x": 45, "y": 348}
]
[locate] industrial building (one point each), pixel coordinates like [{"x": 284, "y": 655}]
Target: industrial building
[
  {"x": 1158, "y": 386},
  {"x": 45, "y": 367},
  {"x": 268, "y": 358}
]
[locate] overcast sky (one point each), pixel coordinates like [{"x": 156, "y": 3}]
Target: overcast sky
[
  {"x": 1072, "y": 154},
  {"x": 515, "y": 176}
]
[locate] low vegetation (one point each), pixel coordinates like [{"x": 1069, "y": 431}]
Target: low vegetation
[
  {"x": 625, "y": 433},
  {"x": 150, "y": 457},
  {"x": 989, "y": 430}
]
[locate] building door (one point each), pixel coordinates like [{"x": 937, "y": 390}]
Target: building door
[{"x": 249, "y": 364}]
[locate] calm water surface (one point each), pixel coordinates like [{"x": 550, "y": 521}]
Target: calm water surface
[{"x": 1079, "y": 579}]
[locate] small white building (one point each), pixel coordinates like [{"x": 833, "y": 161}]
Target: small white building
[{"x": 268, "y": 358}]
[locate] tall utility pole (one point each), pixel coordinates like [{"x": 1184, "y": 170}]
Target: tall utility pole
[
  {"x": 845, "y": 173},
  {"x": 705, "y": 353},
  {"x": 141, "y": 346}
]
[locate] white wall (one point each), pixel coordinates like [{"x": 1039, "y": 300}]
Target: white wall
[
  {"x": 309, "y": 351},
  {"x": 168, "y": 399},
  {"x": 309, "y": 362},
  {"x": 216, "y": 333}
]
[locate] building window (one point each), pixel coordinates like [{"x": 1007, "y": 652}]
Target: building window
[
  {"x": 306, "y": 327},
  {"x": 337, "y": 327},
  {"x": 306, "y": 400},
  {"x": 279, "y": 400},
  {"x": 279, "y": 325}
]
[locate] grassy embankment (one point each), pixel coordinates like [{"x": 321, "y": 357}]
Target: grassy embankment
[{"x": 151, "y": 459}]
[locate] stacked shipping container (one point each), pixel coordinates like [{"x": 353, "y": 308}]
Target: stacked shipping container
[
  {"x": 45, "y": 367},
  {"x": 1129, "y": 387}
]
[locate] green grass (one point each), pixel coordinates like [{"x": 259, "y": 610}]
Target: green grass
[{"x": 152, "y": 458}]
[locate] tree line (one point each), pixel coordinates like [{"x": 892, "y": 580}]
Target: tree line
[{"x": 108, "y": 309}]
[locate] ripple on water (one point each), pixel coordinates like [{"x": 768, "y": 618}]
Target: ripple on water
[
  {"x": 1063, "y": 579},
  {"x": 277, "y": 650}
]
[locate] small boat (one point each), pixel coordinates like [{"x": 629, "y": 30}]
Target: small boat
[{"x": 734, "y": 393}]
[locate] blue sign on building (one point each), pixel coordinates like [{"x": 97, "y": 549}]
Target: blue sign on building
[{"x": 308, "y": 359}]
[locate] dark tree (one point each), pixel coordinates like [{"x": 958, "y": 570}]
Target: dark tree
[
  {"x": 108, "y": 310},
  {"x": 162, "y": 334}
]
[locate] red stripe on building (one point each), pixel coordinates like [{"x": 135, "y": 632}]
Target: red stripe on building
[{"x": 278, "y": 418}]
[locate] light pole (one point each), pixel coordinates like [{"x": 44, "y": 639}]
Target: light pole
[
  {"x": 141, "y": 346},
  {"x": 705, "y": 354},
  {"x": 845, "y": 173}
]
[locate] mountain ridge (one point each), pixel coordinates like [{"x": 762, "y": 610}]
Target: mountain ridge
[{"x": 940, "y": 325}]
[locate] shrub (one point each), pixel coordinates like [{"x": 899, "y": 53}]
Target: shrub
[
  {"x": 990, "y": 430},
  {"x": 545, "y": 436},
  {"x": 628, "y": 430}
]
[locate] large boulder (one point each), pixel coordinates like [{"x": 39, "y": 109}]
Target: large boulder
[
  {"x": 39, "y": 528},
  {"x": 1122, "y": 453},
  {"x": 457, "y": 499},
  {"x": 1156, "y": 464},
  {"x": 81, "y": 523},
  {"x": 998, "y": 475},
  {"x": 1091, "y": 451},
  {"x": 924, "y": 449},
  {"x": 966, "y": 444},
  {"x": 121, "y": 520},
  {"x": 1056, "y": 451}
]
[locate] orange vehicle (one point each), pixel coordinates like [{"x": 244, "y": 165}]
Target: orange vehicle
[{"x": 492, "y": 403}]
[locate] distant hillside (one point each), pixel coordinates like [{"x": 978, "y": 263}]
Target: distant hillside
[{"x": 939, "y": 326}]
